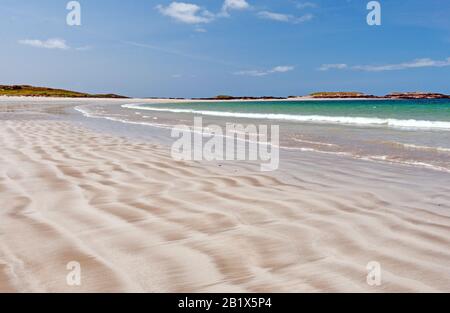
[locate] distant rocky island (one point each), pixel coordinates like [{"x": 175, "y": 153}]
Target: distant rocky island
[
  {"x": 417, "y": 95},
  {"x": 224, "y": 97},
  {"x": 338, "y": 95},
  {"x": 395, "y": 95},
  {"x": 31, "y": 91},
  {"x": 341, "y": 95}
]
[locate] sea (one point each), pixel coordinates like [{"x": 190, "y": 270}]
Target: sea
[{"x": 413, "y": 133}]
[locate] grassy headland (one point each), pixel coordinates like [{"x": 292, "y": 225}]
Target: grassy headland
[{"x": 31, "y": 91}]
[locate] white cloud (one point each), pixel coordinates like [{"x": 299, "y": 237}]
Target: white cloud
[
  {"x": 279, "y": 17},
  {"x": 259, "y": 73},
  {"x": 84, "y": 48},
  {"x": 190, "y": 13},
  {"x": 326, "y": 67},
  {"x": 229, "y": 5},
  {"x": 418, "y": 63},
  {"x": 251, "y": 73},
  {"x": 304, "y": 18},
  {"x": 274, "y": 16},
  {"x": 282, "y": 69},
  {"x": 53, "y": 43},
  {"x": 305, "y": 5},
  {"x": 186, "y": 13}
]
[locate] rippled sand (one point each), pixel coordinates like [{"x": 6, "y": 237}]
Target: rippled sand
[{"x": 136, "y": 220}]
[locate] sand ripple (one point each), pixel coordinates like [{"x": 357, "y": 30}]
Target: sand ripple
[{"x": 137, "y": 220}]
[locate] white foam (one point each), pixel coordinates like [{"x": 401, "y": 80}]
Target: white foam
[
  {"x": 418, "y": 147},
  {"x": 385, "y": 158},
  {"x": 374, "y": 158},
  {"x": 347, "y": 120},
  {"x": 315, "y": 143},
  {"x": 115, "y": 119}
]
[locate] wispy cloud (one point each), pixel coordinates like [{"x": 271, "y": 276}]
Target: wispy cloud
[
  {"x": 287, "y": 18},
  {"x": 229, "y": 5},
  {"x": 190, "y": 13},
  {"x": 186, "y": 13},
  {"x": 260, "y": 73},
  {"x": 417, "y": 63},
  {"x": 84, "y": 48},
  {"x": 282, "y": 69},
  {"x": 53, "y": 43},
  {"x": 306, "y": 5},
  {"x": 274, "y": 16},
  {"x": 200, "y": 30},
  {"x": 179, "y": 53},
  {"x": 326, "y": 67},
  {"x": 304, "y": 18}
]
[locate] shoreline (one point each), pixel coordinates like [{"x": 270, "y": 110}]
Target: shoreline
[
  {"x": 187, "y": 100},
  {"x": 375, "y": 159},
  {"x": 162, "y": 118},
  {"x": 138, "y": 221}
]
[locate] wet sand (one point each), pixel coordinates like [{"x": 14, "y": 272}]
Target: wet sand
[{"x": 138, "y": 221}]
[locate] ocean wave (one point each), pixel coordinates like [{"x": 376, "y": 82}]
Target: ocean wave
[
  {"x": 347, "y": 120},
  {"x": 315, "y": 143},
  {"x": 389, "y": 159},
  {"x": 120, "y": 120},
  {"x": 419, "y": 147},
  {"x": 370, "y": 158},
  {"x": 386, "y": 159}
]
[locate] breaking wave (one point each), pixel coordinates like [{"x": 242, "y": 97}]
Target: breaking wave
[{"x": 347, "y": 120}]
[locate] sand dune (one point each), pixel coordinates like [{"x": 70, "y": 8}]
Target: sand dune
[{"x": 138, "y": 221}]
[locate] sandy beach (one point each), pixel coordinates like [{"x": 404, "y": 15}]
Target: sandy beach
[{"x": 138, "y": 221}]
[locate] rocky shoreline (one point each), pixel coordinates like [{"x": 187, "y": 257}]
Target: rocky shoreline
[
  {"x": 394, "y": 95},
  {"x": 341, "y": 95},
  {"x": 417, "y": 95},
  {"x": 31, "y": 91}
]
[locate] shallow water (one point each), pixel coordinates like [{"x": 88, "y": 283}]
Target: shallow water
[{"x": 413, "y": 133}]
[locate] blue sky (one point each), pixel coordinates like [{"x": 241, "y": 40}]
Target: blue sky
[{"x": 195, "y": 48}]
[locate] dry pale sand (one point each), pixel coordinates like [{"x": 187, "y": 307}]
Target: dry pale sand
[{"x": 137, "y": 221}]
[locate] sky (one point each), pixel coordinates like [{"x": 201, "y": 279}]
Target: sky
[{"x": 203, "y": 48}]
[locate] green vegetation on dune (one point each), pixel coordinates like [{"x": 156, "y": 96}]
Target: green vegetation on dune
[{"x": 31, "y": 91}]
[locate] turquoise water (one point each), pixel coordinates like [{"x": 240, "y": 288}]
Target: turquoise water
[
  {"x": 415, "y": 133},
  {"x": 434, "y": 110},
  {"x": 396, "y": 113}
]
